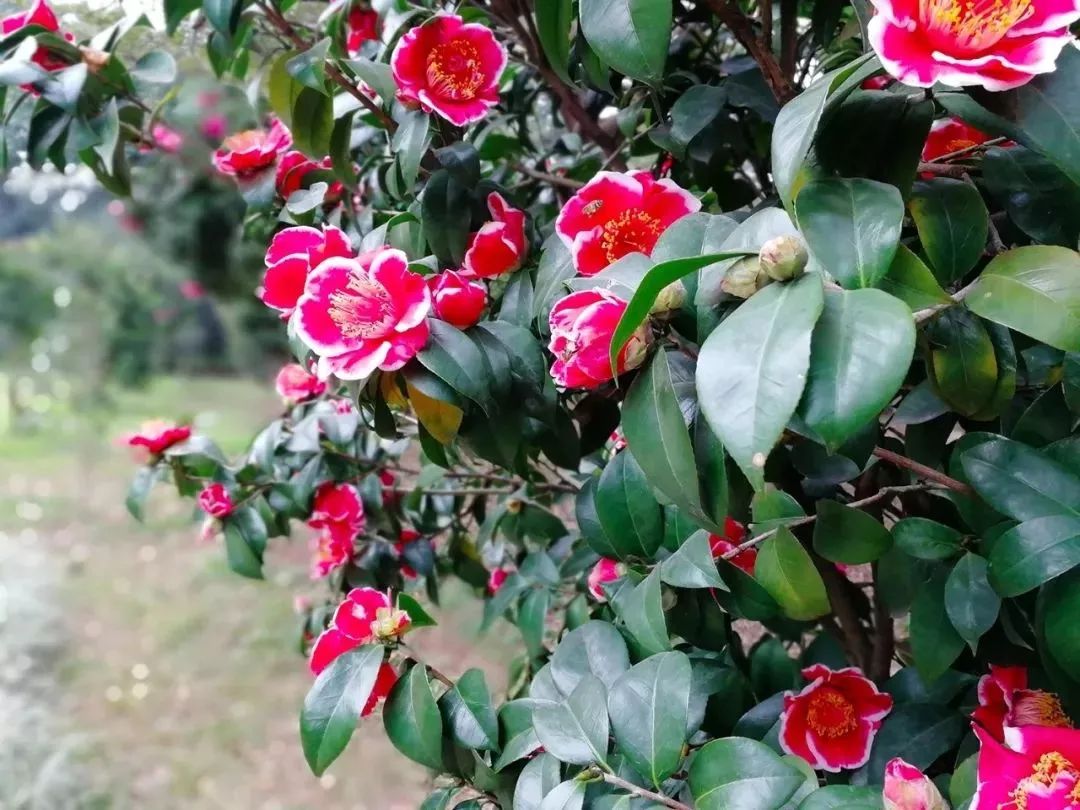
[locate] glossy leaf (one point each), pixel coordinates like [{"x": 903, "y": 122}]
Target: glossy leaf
[
  {"x": 926, "y": 539},
  {"x": 469, "y": 714},
  {"x": 537, "y": 780},
  {"x": 953, "y": 223},
  {"x": 935, "y": 644},
  {"x": 1034, "y": 552},
  {"x": 843, "y": 797},
  {"x": 569, "y": 795},
  {"x": 848, "y": 536},
  {"x": 910, "y": 280},
  {"x": 964, "y": 363},
  {"x": 740, "y": 774},
  {"x": 629, "y": 35},
  {"x": 412, "y": 719},
  {"x": 1021, "y": 482},
  {"x": 692, "y": 565},
  {"x": 631, "y": 518},
  {"x": 970, "y": 602},
  {"x": 576, "y": 730},
  {"x": 642, "y": 611},
  {"x": 455, "y": 359},
  {"x": 918, "y": 733},
  {"x": 595, "y": 648},
  {"x": 553, "y": 23},
  {"x": 785, "y": 570}
]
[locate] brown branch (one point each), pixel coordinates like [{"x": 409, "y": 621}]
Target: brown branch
[
  {"x": 633, "y": 789},
  {"x": 838, "y": 589},
  {"x": 884, "y": 638},
  {"x": 929, "y": 312},
  {"x": 789, "y": 40},
  {"x": 922, "y": 471},
  {"x": 555, "y": 180},
  {"x": 946, "y": 169},
  {"x": 743, "y": 30},
  {"x": 996, "y": 244}
]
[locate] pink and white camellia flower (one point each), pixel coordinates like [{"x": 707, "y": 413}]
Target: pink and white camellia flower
[
  {"x": 734, "y": 535},
  {"x": 333, "y": 548},
  {"x": 607, "y": 570},
  {"x": 908, "y": 788},
  {"x": 995, "y": 44},
  {"x": 157, "y": 436},
  {"x": 167, "y": 139},
  {"x": 456, "y": 300},
  {"x": 499, "y": 246},
  {"x": 215, "y": 500},
  {"x": 249, "y": 153},
  {"x": 292, "y": 255},
  {"x": 582, "y": 324},
  {"x": 616, "y": 214},
  {"x": 362, "y": 25},
  {"x": 41, "y": 15},
  {"x": 294, "y": 384},
  {"x": 449, "y": 67},
  {"x": 995, "y": 693},
  {"x": 366, "y": 615},
  {"x": 361, "y": 318},
  {"x": 833, "y": 721},
  {"x": 1038, "y": 768}
]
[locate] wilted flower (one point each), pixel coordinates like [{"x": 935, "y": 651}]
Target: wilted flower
[
  {"x": 215, "y": 500},
  {"x": 617, "y": 214},
  {"x": 996, "y": 44},
  {"x": 833, "y": 721},
  {"x": 449, "y": 67},
  {"x": 294, "y": 384},
  {"x": 607, "y": 570},
  {"x": 361, "y": 318},
  {"x": 253, "y": 151},
  {"x": 582, "y": 325},
  {"x": 908, "y": 788},
  {"x": 499, "y": 246},
  {"x": 455, "y": 299}
]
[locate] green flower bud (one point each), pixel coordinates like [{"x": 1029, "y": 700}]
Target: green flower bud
[
  {"x": 670, "y": 298},
  {"x": 783, "y": 257},
  {"x": 744, "y": 278}
]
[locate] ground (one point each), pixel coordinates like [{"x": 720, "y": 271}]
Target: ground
[{"x": 136, "y": 671}]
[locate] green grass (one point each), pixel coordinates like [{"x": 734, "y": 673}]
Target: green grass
[{"x": 180, "y": 680}]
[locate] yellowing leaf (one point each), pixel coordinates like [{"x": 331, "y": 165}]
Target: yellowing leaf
[{"x": 441, "y": 419}]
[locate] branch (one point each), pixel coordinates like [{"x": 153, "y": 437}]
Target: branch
[
  {"x": 958, "y": 296},
  {"x": 553, "y": 179},
  {"x": 924, "y": 472},
  {"x": 946, "y": 169},
  {"x": 884, "y": 640},
  {"x": 838, "y": 589},
  {"x": 633, "y": 789},
  {"x": 743, "y": 30}
]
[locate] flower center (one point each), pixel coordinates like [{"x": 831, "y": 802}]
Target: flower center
[
  {"x": 830, "y": 714},
  {"x": 633, "y": 231},
  {"x": 956, "y": 144},
  {"x": 242, "y": 141},
  {"x": 970, "y": 26},
  {"x": 363, "y": 310},
  {"x": 453, "y": 70},
  {"x": 1033, "y": 707},
  {"x": 1045, "y": 774}
]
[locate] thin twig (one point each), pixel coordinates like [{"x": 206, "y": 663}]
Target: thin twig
[
  {"x": 946, "y": 169},
  {"x": 929, "y": 312},
  {"x": 996, "y": 244},
  {"x": 921, "y": 470},
  {"x": 743, "y": 30},
  {"x": 553, "y": 179},
  {"x": 633, "y": 789}
]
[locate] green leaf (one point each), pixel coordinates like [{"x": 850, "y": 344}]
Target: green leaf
[
  {"x": 692, "y": 565},
  {"x": 843, "y": 797},
  {"x": 653, "y": 424},
  {"x": 417, "y": 615},
  {"x": 1034, "y": 290},
  {"x": 692, "y": 112},
  {"x": 926, "y": 539},
  {"x": 631, "y": 518},
  {"x": 412, "y": 720},
  {"x": 445, "y": 216},
  {"x": 1019, "y": 481},
  {"x": 970, "y": 602},
  {"x": 245, "y": 541},
  {"x": 537, "y": 780},
  {"x": 532, "y": 618},
  {"x": 797, "y": 124},
  {"x": 785, "y": 570},
  {"x": 1026, "y": 556},
  {"x": 224, "y": 15},
  {"x": 283, "y": 89},
  {"x": 576, "y": 730},
  {"x": 312, "y": 122},
  {"x": 554, "y": 20},
  {"x": 910, "y": 280},
  {"x": 918, "y": 733},
  {"x": 555, "y": 269},
  {"x": 309, "y": 67},
  {"x": 334, "y": 703},
  {"x": 750, "y": 235},
  {"x": 589, "y": 522},
  {"x": 964, "y": 781},
  {"x": 649, "y": 706},
  {"x": 378, "y": 76},
  {"x": 631, "y": 36},
  {"x": 859, "y": 356},
  {"x": 595, "y": 648},
  {"x": 852, "y": 227},
  {"x": 1062, "y": 631},
  {"x": 408, "y": 144},
  {"x": 739, "y": 774},
  {"x": 457, "y": 361},
  {"x": 642, "y": 611},
  {"x": 468, "y": 713},
  {"x": 848, "y": 536},
  {"x": 752, "y": 370},
  {"x": 1039, "y": 198},
  {"x": 935, "y": 644},
  {"x": 139, "y": 491},
  {"x": 569, "y": 795},
  {"x": 155, "y": 67},
  {"x": 964, "y": 364},
  {"x": 649, "y": 288},
  {"x": 952, "y": 222}
]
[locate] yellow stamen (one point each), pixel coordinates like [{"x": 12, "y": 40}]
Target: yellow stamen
[{"x": 971, "y": 25}]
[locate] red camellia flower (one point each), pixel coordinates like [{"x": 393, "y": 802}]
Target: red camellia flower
[
  {"x": 333, "y": 547},
  {"x": 908, "y": 788},
  {"x": 1038, "y": 770},
  {"x": 404, "y": 538},
  {"x": 336, "y": 503},
  {"x": 996, "y": 44},
  {"x": 359, "y": 318},
  {"x": 995, "y": 694},
  {"x": 496, "y": 579},
  {"x": 249, "y": 153},
  {"x": 832, "y": 722},
  {"x": 607, "y": 570},
  {"x": 876, "y": 82},
  {"x": 157, "y": 436},
  {"x": 366, "y": 615},
  {"x": 293, "y": 168},
  {"x": 362, "y": 25},
  {"x": 41, "y": 15},
  {"x": 617, "y": 214},
  {"x": 215, "y": 500},
  {"x": 455, "y": 299},
  {"x": 499, "y": 246},
  {"x": 582, "y": 324},
  {"x": 292, "y": 255},
  {"x": 450, "y": 67},
  {"x": 734, "y": 535},
  {"x": 294, "y": 383},
  {"x": 948, "y": 135}
]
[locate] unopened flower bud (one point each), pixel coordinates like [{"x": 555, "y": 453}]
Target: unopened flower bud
[
  {"x": 389, "y": 623},
  {"x": 95, "y": 60},
  {"x": 670, "y": 298},
  {"x": 741, "y": 279},
  {"x": 908, "y": 788},
  {"x": 783, "y": 257}
]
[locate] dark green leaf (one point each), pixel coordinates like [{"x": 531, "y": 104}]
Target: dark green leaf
[
  {"x": 553, "y": 23},
  {"x": 417, "y": 615},
  {"x": 1019, "y": 481},
  {"x": 935, "y": 644},
  {"x": 139, "y": 490},
  {"x": 468, "y": 713},
  {"x": 536, "y": 781},
  {"x": 576, "y": 730},
  {"x": 595, "y": 648},
  {"x": 849, "y": 536},
  {"x": 1034, "y": 552},
  {"x": 1061, "y": 629},
  {"x": 412, "y": 720},
  {"x": 970, "y": 602},
  {"x": 532, "y": 619},
  {"x": 952, "y": 222},
  {"x": 843, "y": 797},
  {"x": 312, "y": 122},
  {"x": 965, "y": 364},
  {"x": 445, "y": 215},
  {"x": 1039, "y": 198},
  {"x": 643, "y": 613},
  {"x": 309, "y": 67},
  {"x": 910, "y": 280},
  {"x": 630, "y": 35},
  {"x": 740, "y": 774},
  {"x": 245, "y": 541},
  {"x": 692, "y": 565},
  {"x": 926, "y": 539},
  {"x": 569, "y": 795},
  {"x": 456, "y": 360},
  {"x": 631, "y": 518},
  {"x": 785, "y": 570},
  {"x": 918, "y": 733},
  {"x": 409, "y": 143}
]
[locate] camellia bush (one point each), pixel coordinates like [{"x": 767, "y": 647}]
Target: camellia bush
[{"x": 730, "y": 350}]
